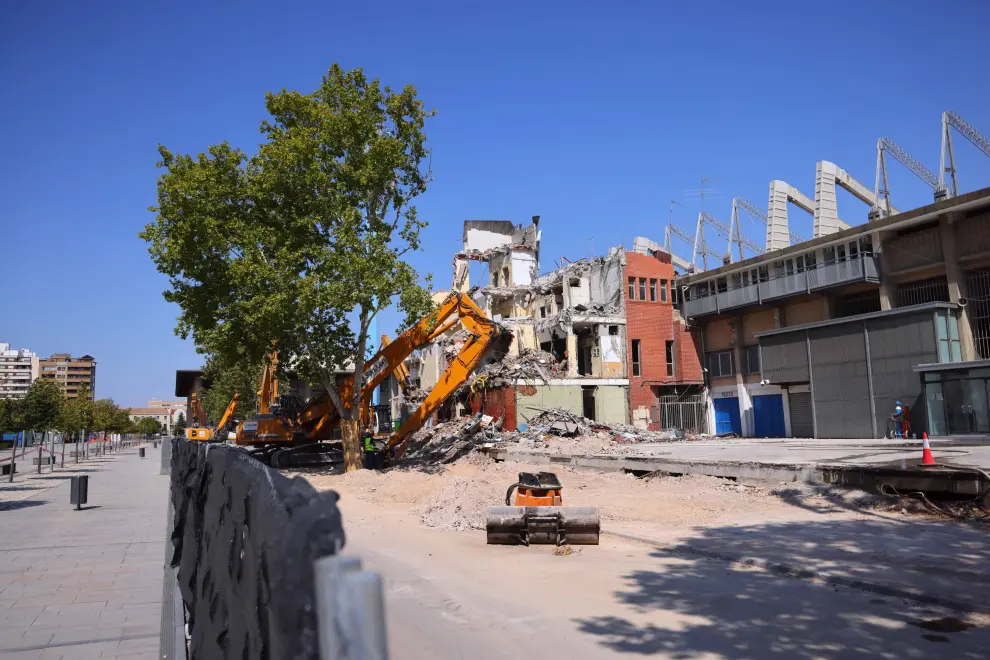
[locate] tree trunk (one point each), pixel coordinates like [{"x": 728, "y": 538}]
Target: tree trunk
[
  {"x": 351, "y": 439},
  {"x": 13, "y": 455},
  {"x": 41, "y": 447}
]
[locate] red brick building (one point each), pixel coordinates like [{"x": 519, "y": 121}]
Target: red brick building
[{"x": 661, "y": 353}]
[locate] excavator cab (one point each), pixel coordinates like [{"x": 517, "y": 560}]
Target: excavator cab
[{"x": 197, "y": 434}]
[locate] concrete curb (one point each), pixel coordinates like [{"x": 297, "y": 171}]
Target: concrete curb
[
  {"x": 869, "y": 478},
  {"x": 810, "y": 575}
]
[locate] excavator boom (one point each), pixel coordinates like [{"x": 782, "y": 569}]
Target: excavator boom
[
  {"x": 199, "y": 432},
  {"x": 316, "y": 420}
]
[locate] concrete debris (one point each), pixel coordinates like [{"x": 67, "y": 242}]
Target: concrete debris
[
  {"x": 529, "y": 365},
  {"x": 489, "y": 254},
  {"x": 565, "y": 318},
  {"x": 445, "y": 442}
]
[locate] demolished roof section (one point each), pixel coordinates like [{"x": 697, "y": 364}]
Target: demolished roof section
[{"x": 484, "y": 239}]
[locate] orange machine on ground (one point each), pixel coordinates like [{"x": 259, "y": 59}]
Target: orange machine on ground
[
  {"x": 288, "y": 432},
  {"x": 201, "y": 431},
  {"x": 537, "y": 516}
]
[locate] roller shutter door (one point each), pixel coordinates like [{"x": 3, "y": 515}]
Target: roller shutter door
[{"x": 802, "y": 423}]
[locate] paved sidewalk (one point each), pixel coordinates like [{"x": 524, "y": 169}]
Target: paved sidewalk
[{"x": 84, "y": 584}]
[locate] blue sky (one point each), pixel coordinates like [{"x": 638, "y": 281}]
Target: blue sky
[{"x": 592, "y": 115}]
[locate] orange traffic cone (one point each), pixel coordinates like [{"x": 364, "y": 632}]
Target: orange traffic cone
[{"x": 926, "y": 452}]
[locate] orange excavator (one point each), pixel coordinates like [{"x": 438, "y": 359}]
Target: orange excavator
[
  {"x": 201, "y": 431},
  {"x": 288, "y": 432}
]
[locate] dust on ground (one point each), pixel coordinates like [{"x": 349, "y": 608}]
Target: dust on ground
[{"x": 456, "y": 496}]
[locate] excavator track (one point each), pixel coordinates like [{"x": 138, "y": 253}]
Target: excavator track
[{"x": 316, "y": 454}]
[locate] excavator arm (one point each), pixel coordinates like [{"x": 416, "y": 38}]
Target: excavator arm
[
  {"x": 268, "y": 390},
  {"x": 223, "y": 426},
  {"x": 198, "y": 413},
  {"x": 322, "y": 415},
  {"x": 199, "y": 431},
  {"x": 483, "y": 331},
  {"x": 401, "y": 372}
]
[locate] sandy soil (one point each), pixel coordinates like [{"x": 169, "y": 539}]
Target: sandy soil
[
  {"x": 455, "y": 497},
  {"x": 449, "y": 595}
]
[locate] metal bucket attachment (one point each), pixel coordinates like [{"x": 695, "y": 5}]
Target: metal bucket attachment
[{"x": 553, "y": 525}]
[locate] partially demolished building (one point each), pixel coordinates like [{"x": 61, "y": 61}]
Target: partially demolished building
[
  {"x": 572, "y": 317},
  {"x": 599, "y": 338}
]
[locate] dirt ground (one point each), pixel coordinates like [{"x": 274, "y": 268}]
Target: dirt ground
[
  {"x": 688, "y": 567},
  {"x": 456, "y": 497}
]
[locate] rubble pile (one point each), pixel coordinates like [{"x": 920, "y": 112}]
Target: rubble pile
[
  {"x": 564, "y": 423},
  {"x": 445, "y": 442},
  {"x": 530, "y": 364},
  {"x": 556, "y": 429}
]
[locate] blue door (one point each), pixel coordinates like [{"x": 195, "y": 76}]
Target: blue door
[
  {"x": 727, "y": 416},
  {"x": 768, "y": 415}
]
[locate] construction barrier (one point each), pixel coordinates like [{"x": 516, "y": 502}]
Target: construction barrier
[{"x": 246, "y": 539}]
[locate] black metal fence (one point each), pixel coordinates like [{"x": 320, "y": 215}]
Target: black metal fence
[{"x": 245, "y": 540}]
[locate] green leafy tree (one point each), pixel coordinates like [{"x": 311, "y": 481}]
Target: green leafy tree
[
  {"x": 122, "y": 422},
  {"x": 225, "y": 381},
  {"x": 105, "y": 416},
  {"x": 180, "y": 424},
  {"x": 41, "y": 407},
  {"x": 74, "y": 415},
  {"x": 302, "y": 244},
  {"x": 148, "y": 426},
  {"x": 12, "y": 421},
  {"x": 9, "y": 409}
]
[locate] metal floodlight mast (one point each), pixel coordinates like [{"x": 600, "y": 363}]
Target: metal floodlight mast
[
  {"x": 881, "y": 189},
  {"x": 951, "y": 120}
]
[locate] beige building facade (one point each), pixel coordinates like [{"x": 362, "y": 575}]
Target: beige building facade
[{"x": 73, "y": 374}]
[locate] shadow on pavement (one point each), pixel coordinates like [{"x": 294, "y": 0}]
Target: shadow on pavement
[
  {"x": 711, "y": 606},
  {"x": 23, "y": 504}
]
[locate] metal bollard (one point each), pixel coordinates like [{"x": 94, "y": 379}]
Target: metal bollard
[
  {"x": 79, "y": 491},
  {"x": 350, "y": 610},
  {"x": 141, "y": 452}
]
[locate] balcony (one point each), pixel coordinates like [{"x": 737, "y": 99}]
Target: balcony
[
  {"x": 786, "y": 285},
  {"x": 860, "y": 269},
  {"x": 739, "y": 297},
  {"x": 699, "y": 306}
]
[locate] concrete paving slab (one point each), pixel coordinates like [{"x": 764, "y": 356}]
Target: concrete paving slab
[{"x": 78, "y": 584}]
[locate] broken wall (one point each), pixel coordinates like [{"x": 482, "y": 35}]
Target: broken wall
[
  {"x": 484, "y": 235},
  {"x": 612, "y": 353},
  {"x": 610, "y": 401},
  {"x": 605, "y": 279},
  {"x": 524, "y": 268}
]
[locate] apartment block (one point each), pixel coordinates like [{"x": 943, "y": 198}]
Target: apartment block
[
  {"x": 72, "y": 374},
  {"x": 821, "y": 338},
  {"x": 18, "y": 369}
]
